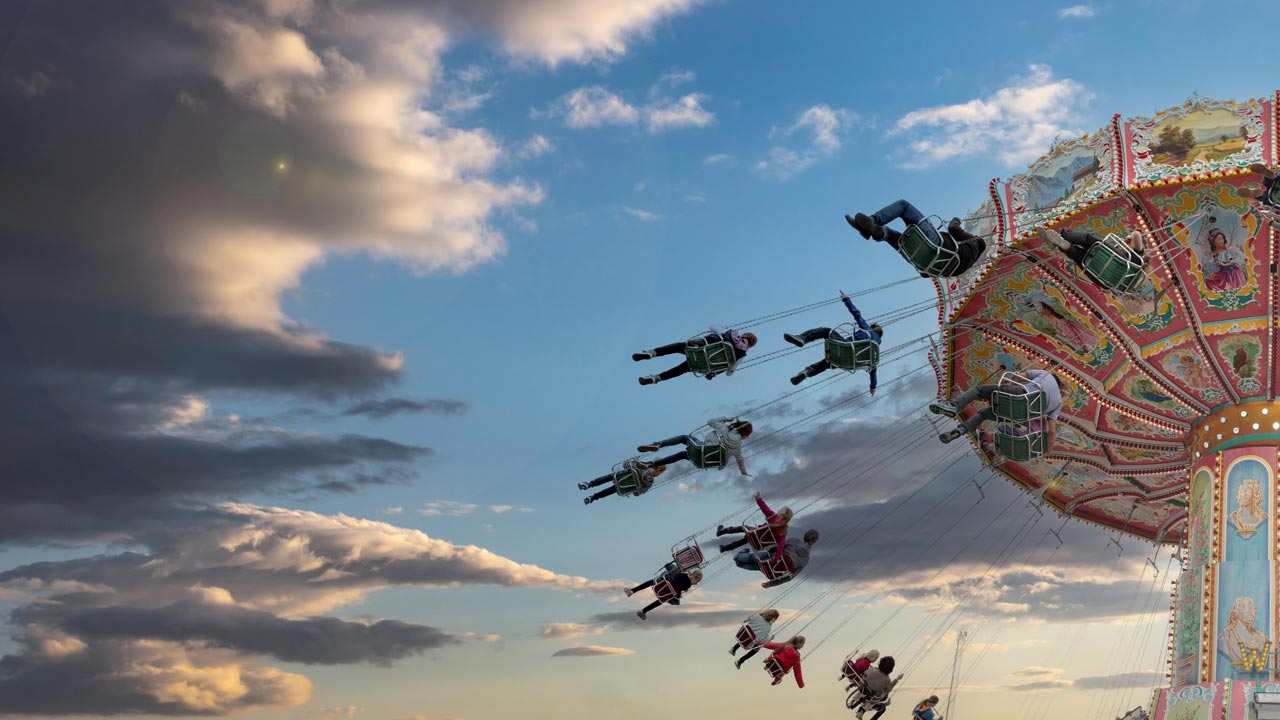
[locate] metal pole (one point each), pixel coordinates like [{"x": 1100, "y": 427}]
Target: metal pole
[{"x": 955, "y": 667}]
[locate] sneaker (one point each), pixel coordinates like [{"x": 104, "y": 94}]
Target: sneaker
[
  {"x": 629, "y": 592},
  {"x": 645, "y": 355},
  {"x": 950, "y": 435},
  {"x": 583, "y": 486},
  {"x": 648, "y": 447},
  {"x": 720, "y": 530},
  {"x": 776, "y": 681},
  {"x": 955, "y": 223},
  {"x": 738, "y": 664},
  {"x": 1053, "y": 238},
  {"x": 586, "y": 501},
  {"x": 943, "y": 408},
  {"x": 648, "y": 379},
  {"x": 860, "y": 713},
  {"x": 641, "y": 614},
  {"x": 793, "y": 339},
  {"x": 798, "y": 379},
  {"x": 734, "y": 650},
  {"x": 867, "y": 227}
]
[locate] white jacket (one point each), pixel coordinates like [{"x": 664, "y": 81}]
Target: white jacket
[{"x": 731, "y": 440}]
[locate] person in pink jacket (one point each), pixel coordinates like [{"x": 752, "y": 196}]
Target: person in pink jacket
[
  {"x": 788, "y": 656},
  {"x": 779, "y": 521}
]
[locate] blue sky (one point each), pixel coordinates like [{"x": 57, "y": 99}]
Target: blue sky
[{"x": 595, "y": 181}]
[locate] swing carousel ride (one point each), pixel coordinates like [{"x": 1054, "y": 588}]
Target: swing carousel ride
[{"x": 1170, "y": 425}]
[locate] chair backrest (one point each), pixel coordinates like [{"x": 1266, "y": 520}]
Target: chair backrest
[
  {"x": 761, "y": 537},
  {"x": 774, "y": 667},
  {"x": 1020, "y": 448},
  {"x": 688, "y": 557},
  {"x": 1017, "y": 399},
  {"x": 630, "y": 480},
  {"x": 846, "y": 353},
  {"x": 707, "y": 456},
  {"x": 1273, "y": 197},
  {"x": 711, "y": 357},
  {"x": 747, "y": 637},
  {"x": 925, "y": 256},
  {"x": 778, "y": 569},
  {"x": 665, "y": 590},
  {"x": 1110, "y": 264}
]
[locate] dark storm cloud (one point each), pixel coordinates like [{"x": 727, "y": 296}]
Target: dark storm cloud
[
  {"x": 312, "y": 641},
  {"x": 386, "y": 407}
]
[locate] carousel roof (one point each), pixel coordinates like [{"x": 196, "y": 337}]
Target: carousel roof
[{"x": 1138, "y": 370}]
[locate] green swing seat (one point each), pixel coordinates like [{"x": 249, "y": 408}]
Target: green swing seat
[
  {"x": 707, "y": 456},
  {"x": 1019, "y": 406},
  {"x": 848, "y": 354},
  {"x": 706, "y": 358},
  {"x": 1110, "y": 264},
  {"x": 629, "y": 479},
  {"x": 930, "y": 259}
]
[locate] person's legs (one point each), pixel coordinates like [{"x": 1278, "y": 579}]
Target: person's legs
[
  {"x": 642, "y": 586},
  {"x": 673, "y": 458},
  {"x": 598, "y": 481},
  {"x": 808, "y": 336},
  {"x": 892, "y": 237},
  {"x": 733, "y": 545},
  {"x": 879, "y": 708},
  {"x": 977, "y": 392},
  {"x": 748, "y": 655},
  {"x": 670, "y": 349},
  {"x": 748, "y": 560},
  {"x": 672, "y": 441},
  {"x": 819, "y": 367},
  {"x": 730, "y": 530},
  {"x": 651, "y": 607},
  {"x": 978, "y": 418},
  {"x": 603, "y": 493},
  {"x": 674, "y": 372},
  {"x": 1080, "y": 239},
  {"x": 897, "y": 209}
]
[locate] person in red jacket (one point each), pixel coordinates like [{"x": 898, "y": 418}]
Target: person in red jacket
[
  {"x": 787, "y": 655},
  {"x": 779, "y": 521}
]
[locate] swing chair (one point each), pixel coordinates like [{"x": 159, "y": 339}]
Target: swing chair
[
  {"x": 687, "y": 555},
  {"x": 1019, "y": 407},
  {"x": 1268, "y": 206},
  {"x": 847, "y": 353},
  {"x": 747, "y": 638},
  {"x": 664, "y": 590},
  {"x": 778, "y": 570},
  {"x": 706, "y": 358},
  {"x": 1110, "y": 264},
  {"x": 761, "y": 537},
  {"x": 629, "y": 478},
  {"x": 707, "y": 453},
  {"x": 847, "y": 672},
  {"x": 775, "y": 669},
  {"x": 932, "y": 260}
]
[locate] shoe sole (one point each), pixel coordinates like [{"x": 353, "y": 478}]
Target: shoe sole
[
  {"x": 792, "y": 339},
  {"x": 943, "y": 410}
]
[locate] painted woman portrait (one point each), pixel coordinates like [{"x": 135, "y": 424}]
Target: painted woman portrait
[
  {"x": 1249, "y": 512},
  {"x": 1224, "y": 271},
  {"x": 1041, "y": 315},
  {"x": 1240, "y": 634}
]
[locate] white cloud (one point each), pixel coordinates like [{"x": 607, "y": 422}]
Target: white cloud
[
  {"x": 684, "y": 112},
  {"x": 822, "y": 126},
  {"x": 591, "y": 651},
  {"x": 534, "y": 147},
  {"x": 639, "y": 214},
  {"x": 502, "y": 509},
  {"x": 449, "y": 508},
  {"x": 1076, "y": 11},
  {"x": 671, "y": 80},
  {"x": 593, "y": 106},
  {"x": 1016, "y": 124},
  {"x": 395, "y": 510},
  {"x": 571, "y": 630},
  {"x": 717, "y": 159}
]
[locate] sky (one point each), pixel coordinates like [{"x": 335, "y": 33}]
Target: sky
[{"x": 313, "y": 313}]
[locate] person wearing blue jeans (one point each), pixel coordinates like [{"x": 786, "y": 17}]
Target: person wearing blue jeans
[
  {"x": 966, "y": 246},
  {"x": 865, "y": 331}
]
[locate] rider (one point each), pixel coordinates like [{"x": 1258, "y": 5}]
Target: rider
[
  {"x": 855, "y": 671},
  {"x": 741, "y": 342},
  {"x": 872, "y": 332},
  {"x": 1043, "y": 379},
  {"x": 761, "y": 625},
  {"x": 966, "y": 246},
  {"x": 878, "y": 688},
  {"x": 1076, "y": 245},
  {"x": 777, "y": 521},
  {"x": 730, "y": 432},
  {"x": 788, "y": 656},
  {"x": 648, "y": 473},
  {"x": 1262, "y": 195},
  {"x": 681, "y": 581},
  {"x": 924, "y": 710},
  {"x": 796, "y": 552}
]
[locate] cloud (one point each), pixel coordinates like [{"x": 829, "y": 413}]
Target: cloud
[
  {"x": 395, "y": 510},
  {"x": 822, "y": 125},
  {"x": 1015, "y": 124},
  {"x": 717, "y": 160},
  {"x": 593, "y": 106},
  {"x": 1076, "y": 11},
  {"x": 686, "y": 111},
  {"x": 1037, "y": 671},
  {"x": 349, "y": 712},
  {"x": 503, "y": 509},
  {"x": 386, "y": 407},
  {"x": 591, "y": 651},
  {"x": 534, "y": 147},
  {"x": 1040, "y": 685},
  {"x": 560, "y": 631},
  {"x": 1120, "y": 680},
  {"x": 643, "y": 215},
  {"x": 449, "y": 508}
]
